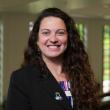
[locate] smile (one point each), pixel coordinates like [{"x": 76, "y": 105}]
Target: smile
[{"x": 53, "y": 46}]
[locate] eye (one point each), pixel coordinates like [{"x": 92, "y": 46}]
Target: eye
[
  {"x": 61, "y": 33},
  {"x": 45, "y": 33}
]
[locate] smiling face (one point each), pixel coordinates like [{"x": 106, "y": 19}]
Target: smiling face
[{"x": 52, "y": 37}]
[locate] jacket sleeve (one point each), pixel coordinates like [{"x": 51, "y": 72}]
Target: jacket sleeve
[{"x": 17, "y": 98}]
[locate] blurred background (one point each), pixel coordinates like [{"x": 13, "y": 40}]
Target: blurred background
[{"x": 92, "y": 18}]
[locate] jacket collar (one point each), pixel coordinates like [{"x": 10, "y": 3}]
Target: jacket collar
[
  {"x": 52, "y": 87},
  {"x": 56, "y": 93}
]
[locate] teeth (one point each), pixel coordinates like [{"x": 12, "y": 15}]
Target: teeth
[{"x": 53, "y": 46}]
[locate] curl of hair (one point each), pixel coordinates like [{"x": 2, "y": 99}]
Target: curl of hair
[{"x": 75, "y": 64}]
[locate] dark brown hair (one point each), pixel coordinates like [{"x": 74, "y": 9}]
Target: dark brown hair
[{"x": 75, "y": 61}]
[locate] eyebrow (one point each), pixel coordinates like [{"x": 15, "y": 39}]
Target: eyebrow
[
  {"x": 44, "y": 29},
  {"x": 50, "y": 30}
]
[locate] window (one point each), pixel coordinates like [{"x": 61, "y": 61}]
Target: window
[
  {"x": 106, "y": 59},
  {"x": 30, "y": 26},
  {"x": 1, "y": 62},
  {"x": 82, "y": 31}
]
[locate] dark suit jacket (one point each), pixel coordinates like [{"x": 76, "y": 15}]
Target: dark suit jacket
[{"x": 29, "y": 89}]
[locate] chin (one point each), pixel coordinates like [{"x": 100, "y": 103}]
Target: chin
[{"x": 54, "y": 56}]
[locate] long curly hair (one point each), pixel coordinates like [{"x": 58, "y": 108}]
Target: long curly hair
[{"x": 75, "y": 61}]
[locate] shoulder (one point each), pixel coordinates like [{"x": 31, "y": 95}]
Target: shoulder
[{"x": 26, "y": 73}]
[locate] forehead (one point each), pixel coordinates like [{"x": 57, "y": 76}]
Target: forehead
[{"x": 52, "y": 22}]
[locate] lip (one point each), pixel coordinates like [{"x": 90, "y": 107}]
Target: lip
[{"x": 53, "y": 45}]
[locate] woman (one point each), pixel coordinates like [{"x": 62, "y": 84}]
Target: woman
[{"x": 56, "y": 74}]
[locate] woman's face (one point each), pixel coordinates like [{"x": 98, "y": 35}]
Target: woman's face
[{"x": 52, "y": 37}]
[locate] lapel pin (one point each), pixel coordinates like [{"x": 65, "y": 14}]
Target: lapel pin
[{"x": 58, "y": 96}]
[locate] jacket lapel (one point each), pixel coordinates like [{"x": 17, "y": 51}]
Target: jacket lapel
[
  {"x": 56, "y": 93},
  {"x": 51, "y": 86}
]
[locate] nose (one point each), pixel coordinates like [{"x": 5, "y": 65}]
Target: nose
[{"x": 53, "y": 38}]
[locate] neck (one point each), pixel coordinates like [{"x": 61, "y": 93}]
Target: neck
[
  {"x": 55, "y": 67},
  {"x": 53, "y": 63}
]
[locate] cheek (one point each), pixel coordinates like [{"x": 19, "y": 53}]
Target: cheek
[
  {"x": 64, "y": 40},
  {"x": 41, "y": 41}
]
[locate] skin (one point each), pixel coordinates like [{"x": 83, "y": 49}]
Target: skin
[
  {"x": 52, "y": 37},
  {"x": 52, "y": 42}
]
